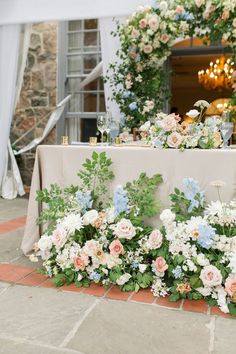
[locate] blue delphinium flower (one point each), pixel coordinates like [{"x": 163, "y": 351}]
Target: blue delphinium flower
[
  {"x": 126, "y": 94},
  {"x": 177, "y": 272},
  {"x": 206, "y": 236},
  {"x": 120, "y": 200},
  {"x": 193, "y": 190},
  {"x": 134, "y": 264},
  {"x": 133, "y": 106},
  {"x": 84, "y": 199},
  {"x": 95, "y": 277}
]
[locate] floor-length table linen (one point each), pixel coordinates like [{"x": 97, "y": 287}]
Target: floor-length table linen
[{"x": 60, "y": 164}]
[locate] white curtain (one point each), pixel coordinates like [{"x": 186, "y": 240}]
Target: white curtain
[
  {"x": 110, "y": 45},
  {"x": 9, "y": 51},
  {"x": 29, "y": 11}
]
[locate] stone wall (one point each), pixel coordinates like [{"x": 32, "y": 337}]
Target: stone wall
[{"x": 38, "y": 94}]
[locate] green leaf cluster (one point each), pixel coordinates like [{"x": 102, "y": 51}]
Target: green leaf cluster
[
  {"x": 141, "y": 194},
  {"x": 96, "y": 176}
]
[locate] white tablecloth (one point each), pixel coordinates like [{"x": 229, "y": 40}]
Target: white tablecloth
[{"x": 60, "y": 164}]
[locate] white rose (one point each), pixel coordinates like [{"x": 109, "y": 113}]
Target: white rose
[
  {"x": 155, "y": 240},
  {"x": 204, "y": 291},
  {"x": 202, "y": 260},
  {"x": 142, "y": 268},
  {"x": 167, "y": 217},
  {"x": 193, "y": 113},
  {"x": 163, "y": 6},
  {"x": 90, "y": 217},
  {"x": 145, "y": 127},
  {"x": 123, "y": 279},
  {"x": 45, "y": 243},
  {"x": 210, "y": 276},
  {"x": 124, "y": 229},
  {"x": 174, "y": 140}
]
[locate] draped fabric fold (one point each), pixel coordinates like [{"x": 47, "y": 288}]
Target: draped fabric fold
[
  {"x": 109, "y": 45},
  {"x": 11, "y": 182},
  {"x": 9, "y": 52}
]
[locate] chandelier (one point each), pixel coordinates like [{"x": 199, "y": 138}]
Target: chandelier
[{"x": 218, "y": 76}]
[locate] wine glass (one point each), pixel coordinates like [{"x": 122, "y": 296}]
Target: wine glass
[
  {"x": 114, "y": 129},
  {"x": 226, "y": 132},
  {"x": 102, "y": 124},
  {"x": 109, "y": 119}
]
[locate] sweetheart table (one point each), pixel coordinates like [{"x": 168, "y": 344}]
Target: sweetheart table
[{"x": 60, "y": 164}]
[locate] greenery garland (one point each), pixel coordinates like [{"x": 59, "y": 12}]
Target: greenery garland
[{"x": 138, "y": 80}]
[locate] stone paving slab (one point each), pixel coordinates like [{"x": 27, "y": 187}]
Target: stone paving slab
[
  {"x": 19, "y": 346},
  {"x": 128, "y": 328},
  {"x": 10, "y": 246},
  {"x": 11, "y": 209},
  {"x": 40, "y": 314},
  {"x": 224, "y": 335}
]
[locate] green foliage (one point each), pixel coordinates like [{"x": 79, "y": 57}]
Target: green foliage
[
  {"x": 141, "y": 194},
  {"x": 180, "y": 206},
  {"x": 96, "y": 175},
  {"x": 58, "y": 203}
]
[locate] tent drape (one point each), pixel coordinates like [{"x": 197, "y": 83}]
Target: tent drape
[
  {"x": 28, "y": 11},
  {"x": 9, "y": 51},
  {"x": 109, "y": 45}
]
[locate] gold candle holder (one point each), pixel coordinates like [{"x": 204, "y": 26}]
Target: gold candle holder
[
  {"x": 93, "y": 140},
  {"x": 117, "y": 141},
  {"x": 64, "y": 140}
]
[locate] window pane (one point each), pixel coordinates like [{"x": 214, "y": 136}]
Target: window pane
[
  {"x": 74, "y": 42},
  {"x": 73, "y": 84},
  {"x": 90, "y": 62},
  {"x": 90, "y": 39},
  {"x": 90, "y": 102},
  {"x": 75, "y": 103},
  {"x": 102, "y": 107},
  {"x": 90, "y": 24},
  {"x": 75, "y": 64},
  {"x": 75, "y": 25},
  {"x": 92, "y": 86}
]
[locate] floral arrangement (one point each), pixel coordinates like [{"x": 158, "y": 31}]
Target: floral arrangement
[
  {"x": 193, "y": 254},
  {"x": 138, "y": 80},
  {"x": 200, "y": 252}
]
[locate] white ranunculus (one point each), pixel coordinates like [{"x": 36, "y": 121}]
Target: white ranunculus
[
  {"x": 167, "y": 217},
  {"x": 123, "y": 279},
  {"x": 210, "y": 276},
  {"x": 193, "y": 113},
  {"x": 45, "y": 243},
  {"x": 202, "y": 260},
  {"x": 90, "y": 217}
]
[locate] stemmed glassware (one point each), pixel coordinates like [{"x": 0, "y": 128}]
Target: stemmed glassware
[
  {"x": 109, "y": 119},
  {"x": 114, "y": 129},
  {"x": 226, "y": 132},
  {"x": 102, "y": 124}
]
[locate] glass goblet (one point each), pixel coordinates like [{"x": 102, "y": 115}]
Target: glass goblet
[
  {"x": 102, "y": 124},
  {"x": 114, "y": 129},
  {"x": 109, "y": 119},
  {"x": 226, "y": 132}
]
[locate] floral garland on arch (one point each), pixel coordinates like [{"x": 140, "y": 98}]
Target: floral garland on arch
[
  {"x": 138, "y": 81},
  {"x": 192, "y": 255}
]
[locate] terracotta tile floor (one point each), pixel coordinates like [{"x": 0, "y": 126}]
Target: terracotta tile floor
[{"x": 12, "y": 273}]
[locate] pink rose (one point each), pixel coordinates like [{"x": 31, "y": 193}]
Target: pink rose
[
  {"x": 199, "y": 3},
  {"x": 80, "y": 262},
  {"x": 225, "y": 15},
  {"x": 160, "y": 265},
  {"x": 147, "y": 49},
  {"x": 169, "y": 123},
  {"x": 164, "y": 38},
  {"x": 210, "y": 276},
  {"x": 143, "y": 23},
  {"x": 174, "y": 140},
  {"x": 153, "y": 23},
  {"x": 230, "y": 286},
  {"x": 135, "y": 33},
  {"x": 179, "y": 9},
  {"x": 59, "y": 237},
  {"x": 116, "y": 248},
  {"x": 155, "y": 240},
  {"x": 125, "y": 229}
]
